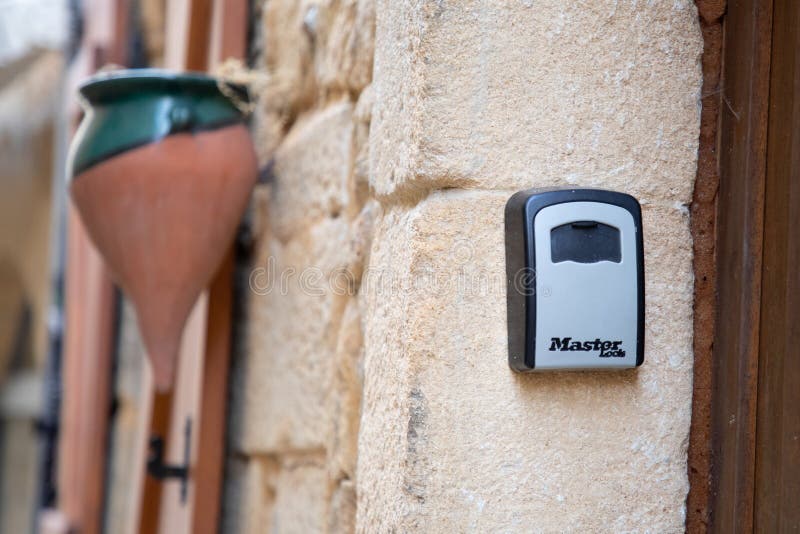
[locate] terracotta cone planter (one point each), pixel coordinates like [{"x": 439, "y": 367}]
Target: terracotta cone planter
[{"x": 162, "y": 168}]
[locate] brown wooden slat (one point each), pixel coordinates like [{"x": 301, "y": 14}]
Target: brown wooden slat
[
  {"x": 89, "y": 327},
  {"x": 743, "y": 131},
  {"x": 228, "y": 39},
  {"x": 211, "y": 443},
  {"x": 89, "y": 315},
  {"x": 198, "y": 35},
  {"x": 176, "y": 513},
  {"x": 118, "y": 52},
  {"x": 160, "y": 419},
  {"x": 228, "y": 31},
  {"x": 777, "y": 490},
  {"x": 130, "y": 523}
]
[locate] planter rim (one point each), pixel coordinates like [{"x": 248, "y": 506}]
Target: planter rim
[
  {"x": 110, "y": 85},
  {"x": 126, "y": 109}
]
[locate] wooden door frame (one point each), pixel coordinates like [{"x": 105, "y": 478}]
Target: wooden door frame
[
  {"x": 777, "y": 468},
  {"x": 90, "y": 317},
  {"x": 728, "y": 402},
  {"x": 740, "y": 223}
]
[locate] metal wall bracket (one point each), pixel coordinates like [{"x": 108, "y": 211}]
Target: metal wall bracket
[{"x": 161, "y": 471}]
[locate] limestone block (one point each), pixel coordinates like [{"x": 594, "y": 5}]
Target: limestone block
[
  {"x": 298, "y": 385},
  {"x": 287, "y": 86},
  {"x": 510, "y": 95},
  {"x": 361, "y": 119},
  {"x": 342, "y": 518},
  {"x": 344, "y": 37},
  {"x": 301, "y": 491},
  {"x": 268, "y": 129},
  {"x": 276, "y": 495},
  {"x": 311, "y": 170},
  {"x": 295, "y": 312},
  {"x": 344, "y": 400},
  {"x": 361, "y": 238},
  {"x": 287, "y": 56},
  {"x": 249, "y": 499},
  {"x": 668, "y": 249},
  {"x": 382, "y": 440},
  {"x": 452, "y": 440}
]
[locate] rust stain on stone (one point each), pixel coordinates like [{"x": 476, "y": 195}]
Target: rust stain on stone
[{"x": 703, "y": 221}]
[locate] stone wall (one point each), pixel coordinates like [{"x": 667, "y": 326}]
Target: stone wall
[
  {"x": 372, "y": 392},
  {"x": 298, "y": 380}
]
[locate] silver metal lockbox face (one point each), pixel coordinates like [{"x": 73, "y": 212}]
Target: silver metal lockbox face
[{"x": 575, "y": 269}]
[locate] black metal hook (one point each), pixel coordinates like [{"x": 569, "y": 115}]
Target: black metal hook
[{"x": 161, "y": 471}]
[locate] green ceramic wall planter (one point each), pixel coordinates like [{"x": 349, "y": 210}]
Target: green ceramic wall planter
[{"x": 161, "y": 170}]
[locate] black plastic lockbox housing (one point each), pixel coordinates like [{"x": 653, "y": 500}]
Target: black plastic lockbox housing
[{"x": 575, "y": 280}]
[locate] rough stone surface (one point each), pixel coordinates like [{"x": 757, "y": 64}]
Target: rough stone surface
[
  {"x": 374, "y": 393},
  {"x": 343, "y": 33},
  {"x": 248, "y": 497},
  {"x": 301, "y": 496},
  {"x": 311, "y": 169},
  {"x": 313, "y": 52},
  {"x": 287, "y": 55},
  {"x": 272, "y": 494},
  {"x": 362, "y": 116},
  {"x": 454, "y": 441},
  {"x": 345, "y": 396},
  {"x": 342, "y": 516},
  {"x": 297, "y": 387},
  {"x": 504, "y": 95},
  {"x": 289, "y": 365}
]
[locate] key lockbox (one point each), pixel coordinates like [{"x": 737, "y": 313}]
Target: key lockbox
[{"x": 575, "y": 271}]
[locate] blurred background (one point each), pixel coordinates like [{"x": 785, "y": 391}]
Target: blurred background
[
  {"x": 46, "y": 48},
  {"x": 276, "y": 446}
]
